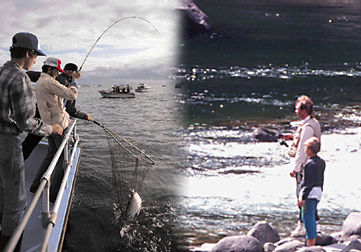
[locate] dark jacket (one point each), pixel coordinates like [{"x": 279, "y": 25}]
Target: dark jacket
[
  {"x": 70, "y": 104},
  {"x": 313, "y": 176}
]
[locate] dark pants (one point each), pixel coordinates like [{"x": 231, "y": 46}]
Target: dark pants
[
  {"x": 29, "y": 144},
  {"x": 31, "y": 141},
  {"x": 54, "y": 142}
]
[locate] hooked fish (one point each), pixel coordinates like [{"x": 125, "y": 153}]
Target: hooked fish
[{"x": 134, "y": 206}]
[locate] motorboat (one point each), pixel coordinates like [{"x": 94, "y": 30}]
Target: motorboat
[
  {"x": 142, "y": 88},
  {"x": 119, "y": 91},
  {"x": 44, "y": 223}
]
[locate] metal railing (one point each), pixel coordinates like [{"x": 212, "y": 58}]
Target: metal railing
[{"x": 48, "y": 218}]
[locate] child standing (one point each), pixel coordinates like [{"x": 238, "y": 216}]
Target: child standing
[{"x": 311, "y": 188}]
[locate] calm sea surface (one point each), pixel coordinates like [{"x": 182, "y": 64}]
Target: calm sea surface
[{"x": 247, "y": 72}]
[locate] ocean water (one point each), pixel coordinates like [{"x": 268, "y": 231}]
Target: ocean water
[
  {"x": 150, "y": 122},
  {"x": 247, "y": 72}
]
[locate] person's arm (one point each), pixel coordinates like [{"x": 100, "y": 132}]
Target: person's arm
[
  {"x": 69, "y": 93},
  {"x": 23, "y": 107},
  {"x": 301, "y": 157}
]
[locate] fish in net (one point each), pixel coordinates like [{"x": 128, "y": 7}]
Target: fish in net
[{"x": 129, "y": 167}]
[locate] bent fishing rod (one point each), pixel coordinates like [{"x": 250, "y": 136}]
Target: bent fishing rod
[{"x": 122, "y": 19}]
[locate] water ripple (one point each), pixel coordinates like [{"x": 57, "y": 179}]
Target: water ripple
[{"x": 200, "y": 73}]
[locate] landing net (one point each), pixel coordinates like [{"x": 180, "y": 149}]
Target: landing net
[{"x": 129, "y": 167}]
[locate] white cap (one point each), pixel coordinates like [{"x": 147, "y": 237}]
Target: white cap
[{"x": 53, "y": 62}]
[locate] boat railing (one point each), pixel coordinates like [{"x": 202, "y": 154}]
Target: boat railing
[{"x": 49, "y": 218}]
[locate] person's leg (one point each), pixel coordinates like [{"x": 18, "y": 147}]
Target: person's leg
[
  {"x": 45, "y": 164},
  {"x": 12, "y": 185},
  {"x": 300, "y": 229},
  {"x": 29, "y": 144},
  {"x": 310, "y": 220},
  {"x": 58, "y": 173}
]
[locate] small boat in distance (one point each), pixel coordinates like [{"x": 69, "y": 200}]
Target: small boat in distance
[
  {"x": 142, "y": 88},
  {"x": 117, "y": 92}
]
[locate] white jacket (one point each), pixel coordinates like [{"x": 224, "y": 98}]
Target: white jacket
[{"x": 50, "y": 95}]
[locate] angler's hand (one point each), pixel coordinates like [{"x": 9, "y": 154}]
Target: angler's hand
[
  {"x": 57, "y": 129},
  {"x": 76, "y": 75},
  {"x": 89, "y": 118},
  {"x": 293, "y": 174},
  {"x": 287, "y": 137}
]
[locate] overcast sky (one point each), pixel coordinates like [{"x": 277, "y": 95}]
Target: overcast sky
[{"x": 131, "y": 49}]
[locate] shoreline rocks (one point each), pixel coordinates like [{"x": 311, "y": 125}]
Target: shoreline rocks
[{"x": 262, "y": 237}]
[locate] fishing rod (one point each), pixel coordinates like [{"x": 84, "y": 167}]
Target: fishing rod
[
  {"x": 112, "y": 134},
  {"x": 108, "y": 29}
]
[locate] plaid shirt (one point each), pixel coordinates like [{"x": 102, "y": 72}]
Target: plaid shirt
[{"x": 17, "y": 107}]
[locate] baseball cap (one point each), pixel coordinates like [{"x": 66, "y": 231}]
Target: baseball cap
[
  {"x": 53, "y": 62},
  {"x": 71, "y": 67},
  {"x": 28, "y": 41}
]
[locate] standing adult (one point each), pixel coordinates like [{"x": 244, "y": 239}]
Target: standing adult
[
  {"x": 68, "y": 78},
  {"x": 50, "y": 95},
  {"x": 308, "y": 127},
  {"x": 17, "y": 110}
]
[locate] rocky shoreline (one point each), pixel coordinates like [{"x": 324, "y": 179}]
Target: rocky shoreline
[{"x": 262, "y": 237}]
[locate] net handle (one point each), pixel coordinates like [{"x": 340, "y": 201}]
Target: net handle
[{"x": 113, "y": 134}]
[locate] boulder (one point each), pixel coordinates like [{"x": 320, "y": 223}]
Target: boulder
[
  {"x": 285, "y": 240},
  {"x": 355, "y": 244},
  {"x": 289, "y": 246},
  {"x": 239, "y": 243},
  {"x": 269, "y": 247},
  {"x": 324, "y": 240},
  {"x": 352, "y": 224},
  {"x": 311, "y": 249},
  {"x": 264, "y": 232}
]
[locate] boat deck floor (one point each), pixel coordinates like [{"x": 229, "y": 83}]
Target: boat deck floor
[{"x": 34, "y": 232}]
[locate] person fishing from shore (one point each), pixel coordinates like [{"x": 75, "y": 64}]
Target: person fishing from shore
[
  {"x": 50, "y": 96},
  {"x": 17, "y": 112},
  {"x": 308, "y": 127},
  {"x": 311, "y": 188},
  {"x": 68, "y": 78}
]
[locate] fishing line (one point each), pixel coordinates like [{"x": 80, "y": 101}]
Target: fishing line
[{"x": 86, "y": 57}]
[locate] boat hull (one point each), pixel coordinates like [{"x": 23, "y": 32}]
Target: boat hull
[{"x": 107, "y": 94}]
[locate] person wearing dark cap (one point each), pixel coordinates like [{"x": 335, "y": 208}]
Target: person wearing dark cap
[
  {"x": 69, "y": 78},
  {"x": 50, "y": 95},
  {"x": 17, "y": 112}
]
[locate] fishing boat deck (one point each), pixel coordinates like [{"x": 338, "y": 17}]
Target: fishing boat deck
[{"x": 34, "y": 232}]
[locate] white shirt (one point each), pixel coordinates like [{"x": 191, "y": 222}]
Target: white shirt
[{"x": 301, "y": 156}]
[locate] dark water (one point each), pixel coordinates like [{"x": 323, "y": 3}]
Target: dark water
[
  {"x": 247, "y": 72},
  {"x": 150, "y": 122}
]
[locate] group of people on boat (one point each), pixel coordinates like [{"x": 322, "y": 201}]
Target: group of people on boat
[
  {"x": 121, "y": 89},
  {"x": 56, "y": 93}
]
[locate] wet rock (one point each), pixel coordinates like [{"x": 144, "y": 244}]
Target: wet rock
[
  {"x": 355, "y": 244},
  {"x": 239, "y": 243},
  {"x": 324, "y": 240},
  {"x": 264, "y": 232},
  {"x": 352, "y": 224},
  {"x": 269, "y": 247},
  {"x": 311, "y": 249},
  {"x": 265, "y": 135},
  {"x": 290, "y": 246},
  {"x": 285, "y": 240}
]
